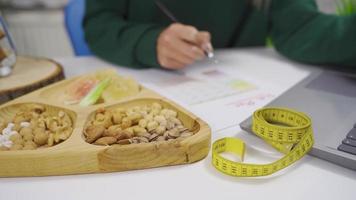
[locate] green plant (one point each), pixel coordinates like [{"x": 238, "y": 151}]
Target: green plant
[{"x": 345, "y": 7}]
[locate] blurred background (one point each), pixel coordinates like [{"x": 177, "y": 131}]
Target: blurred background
[{"x": 38, "y": 26}]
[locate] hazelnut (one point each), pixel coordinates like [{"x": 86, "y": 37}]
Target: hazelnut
[
  {"x": 28, "y": 136},
  {"x": 39, "y": 130},
  {"x": 41, "y": 138}
]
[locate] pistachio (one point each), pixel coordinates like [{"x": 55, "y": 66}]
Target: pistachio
[
  {"x": 161, "y": 138},
  {"x": 143, "y": 139},
  {"x": 149, "y": 117},
  {"x": 152, "y": 125},
  {"x": 146, "y": 135},
  {"x": 154, "y": 112},
  {"x": 135, "y": 140},
  {"x": 170, "y": 125},
  {"x": 153, "y": 137},
  {"x": 173, "y": 134},
  {"x": 160, "y": 119},
  {"x": 181, "y": 128},
  {"x": 186, "y": 134},
  {"x": 160, "y": 130},
  {"x": 143, "y": 123}
]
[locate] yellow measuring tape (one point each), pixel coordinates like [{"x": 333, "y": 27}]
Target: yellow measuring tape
[{"x": 290, "y": 132}]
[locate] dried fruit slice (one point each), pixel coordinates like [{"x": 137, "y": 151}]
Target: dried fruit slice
[
  {"x": 77, "y": 90},
  {"x": 119, "y": 88}
]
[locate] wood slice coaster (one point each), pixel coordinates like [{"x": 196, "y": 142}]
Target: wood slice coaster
[{"x": 28, "y": 75}]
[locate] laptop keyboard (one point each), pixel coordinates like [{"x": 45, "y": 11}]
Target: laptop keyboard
[{"x": 349, "y": 143}]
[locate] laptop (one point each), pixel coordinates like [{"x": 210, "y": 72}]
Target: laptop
[{"x": 329, "y": 98}]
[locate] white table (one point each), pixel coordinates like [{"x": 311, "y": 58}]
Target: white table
[{"x": 310, "y": 178}]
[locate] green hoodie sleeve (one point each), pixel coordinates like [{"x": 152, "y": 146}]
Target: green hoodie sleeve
[
  {"x": 302, "y": 33},
  {"x": 113, "y": 38}
]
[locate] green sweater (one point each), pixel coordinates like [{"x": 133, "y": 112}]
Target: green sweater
[{"x": 125, "y": 31}]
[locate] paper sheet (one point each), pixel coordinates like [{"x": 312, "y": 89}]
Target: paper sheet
[
  {"x": 223, "y": 95},
  {"x": 207, "y": 85}
]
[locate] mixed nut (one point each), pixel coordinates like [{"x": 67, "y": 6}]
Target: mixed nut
[
  {"x": 34, "y": 127},
  {"x": 138, "y": 124}
]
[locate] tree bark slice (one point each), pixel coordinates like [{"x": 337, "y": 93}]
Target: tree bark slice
[{"x": 29, "y": 74}]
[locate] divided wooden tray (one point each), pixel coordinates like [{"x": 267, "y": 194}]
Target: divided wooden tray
[{"x": 75, "y": 156}]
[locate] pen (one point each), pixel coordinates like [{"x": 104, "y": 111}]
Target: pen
[{"x": 170, "y": 15}]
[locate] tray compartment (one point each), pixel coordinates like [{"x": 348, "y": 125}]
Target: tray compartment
[
  {"x": 56, "y": 93},
  {"x": 30, "y": 126},
  {"x": 157, "y": 153}
]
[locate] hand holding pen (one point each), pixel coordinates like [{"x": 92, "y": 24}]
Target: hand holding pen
[{"x": 181, "y": 45}]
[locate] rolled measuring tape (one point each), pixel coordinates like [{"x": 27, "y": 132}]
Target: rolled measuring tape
[{"x": 288, "y": 131}]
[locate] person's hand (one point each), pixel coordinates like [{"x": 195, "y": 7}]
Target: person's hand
[{"x": 181, "y": 45}]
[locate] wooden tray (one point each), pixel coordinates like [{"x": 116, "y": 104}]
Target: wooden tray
[
  {"x": 29, "y": 74},
  {"x": 75, "y": 156}
]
